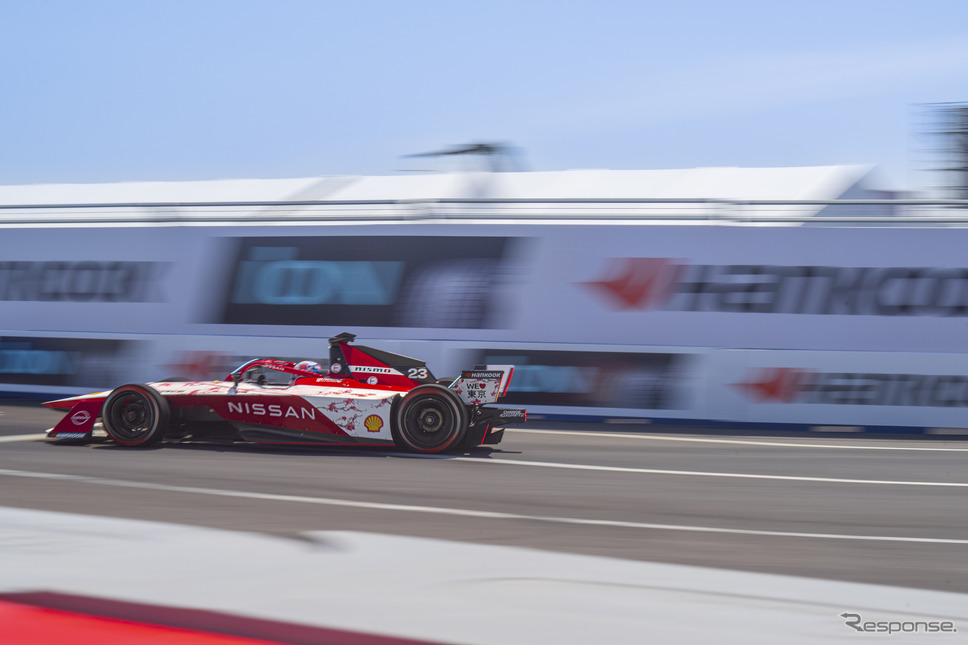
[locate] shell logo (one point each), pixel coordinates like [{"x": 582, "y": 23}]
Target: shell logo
[{"x": 373, "y": 423}]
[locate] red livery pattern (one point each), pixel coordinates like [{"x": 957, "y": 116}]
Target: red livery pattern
[
  {"x": 368, "y": 396},
  {"x": 291, "y": 412}
]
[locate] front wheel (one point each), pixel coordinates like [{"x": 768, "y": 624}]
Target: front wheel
[
  {"x": 135, "y": 415},
  {"x": 429, "y": 419}
]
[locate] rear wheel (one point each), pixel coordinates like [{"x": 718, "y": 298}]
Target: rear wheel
[
  {"x": 135, "y": 415},
  {"x": 430, "y": 418}
]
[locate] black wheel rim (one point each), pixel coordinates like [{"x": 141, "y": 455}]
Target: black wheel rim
[
  {"x": 430, "y": 421},
  {"x": 131, "y": 416}
]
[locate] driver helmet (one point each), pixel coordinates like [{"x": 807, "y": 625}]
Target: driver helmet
[{"x": 310, "y": 366}]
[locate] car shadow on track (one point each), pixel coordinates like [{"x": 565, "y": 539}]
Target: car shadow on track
[
  {"x": 374, "y": 452},
  {"x": 383, "y": 452}
]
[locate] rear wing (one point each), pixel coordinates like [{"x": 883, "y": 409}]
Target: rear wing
[{"x": 483, "y": 385}]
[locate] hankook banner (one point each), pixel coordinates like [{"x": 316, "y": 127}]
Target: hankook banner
[{"x": 840, "y": 388}]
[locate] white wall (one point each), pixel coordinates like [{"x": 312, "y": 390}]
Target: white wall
[{"x": 655, "y": 320}]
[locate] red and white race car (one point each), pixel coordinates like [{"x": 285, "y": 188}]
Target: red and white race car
[{"x": 367, "y": 397}]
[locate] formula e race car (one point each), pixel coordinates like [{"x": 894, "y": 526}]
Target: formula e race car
[{"x": 367, "y": 397}]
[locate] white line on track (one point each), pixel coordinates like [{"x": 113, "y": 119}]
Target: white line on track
[
  {"x": 22, "y": 437},
  {"x": 746, "y": 442},
  {"x": 324, "y": 501},
  {"x": 695, "y": 473}
]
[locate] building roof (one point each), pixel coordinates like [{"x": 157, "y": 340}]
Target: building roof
[{"x": 724, "y": 183}]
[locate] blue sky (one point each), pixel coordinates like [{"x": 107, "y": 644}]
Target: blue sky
[{"x": 174, "y": 90}]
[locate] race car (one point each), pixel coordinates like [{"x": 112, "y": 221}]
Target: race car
[{"x": 366, "y": 397}]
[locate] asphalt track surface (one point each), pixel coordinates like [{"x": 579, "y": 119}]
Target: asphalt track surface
[{"x": 882, "y": 510}]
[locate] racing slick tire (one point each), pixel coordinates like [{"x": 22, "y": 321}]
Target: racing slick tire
[
  {"x": 135, "y": 415},
  {"x": 429, "y": 419}
]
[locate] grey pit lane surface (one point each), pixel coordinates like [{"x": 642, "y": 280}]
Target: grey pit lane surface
[{"x": 278, "y": 486}]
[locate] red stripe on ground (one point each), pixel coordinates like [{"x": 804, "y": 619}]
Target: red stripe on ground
[
  {"x": 47, "y": 618},
  {"x": 26, "y": 625}
]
